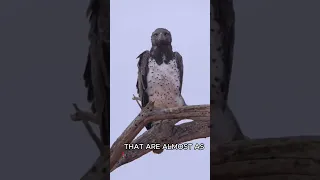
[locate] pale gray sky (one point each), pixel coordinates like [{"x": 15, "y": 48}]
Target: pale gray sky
[{"x": 132, "y": 23}]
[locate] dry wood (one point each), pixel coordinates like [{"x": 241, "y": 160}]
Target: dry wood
[
  {"x": 274, "y": 158},
  {"x": 181, "y": 133},
  {"x": 199, "y": 128}
]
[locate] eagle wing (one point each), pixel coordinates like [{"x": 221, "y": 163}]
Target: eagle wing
[
  {"x": 142, "y": 77},
  {"x": 179, "y": 61},
  {"x": 142, "y": 80},
  {"x": 87, "y": 77},
  {"x": 93, "y": 13}
]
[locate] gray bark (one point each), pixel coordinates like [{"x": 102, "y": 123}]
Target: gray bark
[{"x": 288, "y": 158}]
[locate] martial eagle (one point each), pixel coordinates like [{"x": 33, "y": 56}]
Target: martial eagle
[{"x": 160, "y": 73}]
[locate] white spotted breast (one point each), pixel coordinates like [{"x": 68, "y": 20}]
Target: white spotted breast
[{"x": 164, "y": 84}]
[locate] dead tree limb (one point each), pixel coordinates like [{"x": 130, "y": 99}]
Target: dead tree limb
[
  {"x": 92, "y": 134},
  {"x": 149, "y": 115},
  {"x": 81, "y": 115},
  {"x": 199, "y": 128},
  {"x": 181, "y": 133},
  {"x": 268, "y": 159}
]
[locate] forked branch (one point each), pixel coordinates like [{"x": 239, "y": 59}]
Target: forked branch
[
  {"x": 148, "y": 115},
  {"x": 179, "y": 134},
  {"x": 199, "y": 128}
]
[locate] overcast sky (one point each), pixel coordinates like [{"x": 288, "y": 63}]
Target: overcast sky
[{"x": 274, "y": 89}]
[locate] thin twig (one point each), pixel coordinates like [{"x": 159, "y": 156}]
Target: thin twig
[
  {"x": 137, "y": 99},
  {"x": 92, "y": 134},
  {"x": 82, "y": 115}
]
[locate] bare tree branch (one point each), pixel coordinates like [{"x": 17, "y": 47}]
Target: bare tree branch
[
  {"x": 149, "y": 115},
  {"x": 293, "y": 157},
  {"x": 89, "y": 129},
  {"x": 81, "y": 115},
  {"x": 178, "y": 134}
]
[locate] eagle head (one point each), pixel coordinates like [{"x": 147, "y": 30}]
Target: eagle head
[{"x": 161, "y": 36}]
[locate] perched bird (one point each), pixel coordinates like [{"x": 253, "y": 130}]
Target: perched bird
[{"x": 160, "y": 73}]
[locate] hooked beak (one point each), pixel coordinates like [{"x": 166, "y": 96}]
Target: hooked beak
[{"x": 161, "y": 37}]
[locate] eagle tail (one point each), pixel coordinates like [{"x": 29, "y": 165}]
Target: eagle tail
[{"x": 225, "y": 126}]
